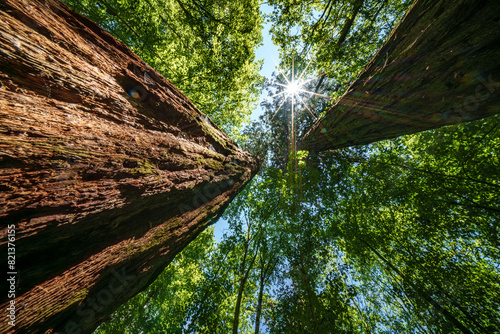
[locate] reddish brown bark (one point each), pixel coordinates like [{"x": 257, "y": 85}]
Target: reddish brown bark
[
  {"x": 104, "y": 187},
  {"x": 438, "y": 67}
]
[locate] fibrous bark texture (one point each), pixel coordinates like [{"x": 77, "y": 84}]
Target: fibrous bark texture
[
  {"x": 438, "y": 67},
  {"x": 107, "y": 170}
]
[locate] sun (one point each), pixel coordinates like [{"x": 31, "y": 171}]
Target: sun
[{"x": 293, "y": 87}]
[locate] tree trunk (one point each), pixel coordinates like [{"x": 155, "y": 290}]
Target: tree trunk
[
  {"x": 258, "y": 313},
  {"x": 107, "y": 170},
  {"x": 241, "y": 288},
  {"x": 438, "y": 67},
  {"x": 309, "y": 295},
  {"x": 237, "y": 307}
]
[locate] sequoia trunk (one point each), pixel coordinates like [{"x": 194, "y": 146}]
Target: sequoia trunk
[
  {"x": 107, "y": 170},
  {"x": 438, "y": 67}
]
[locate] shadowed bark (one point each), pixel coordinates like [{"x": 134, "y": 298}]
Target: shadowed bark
[
  {"x": 438, "y": 67},
  {"x": 107, "y": 170}
]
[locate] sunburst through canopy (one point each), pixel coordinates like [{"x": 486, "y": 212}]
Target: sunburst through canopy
[{"x": 293, "y": 89}]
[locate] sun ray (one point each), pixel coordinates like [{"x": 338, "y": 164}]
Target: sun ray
[
  {"x": 307, "y": 66},
  {"x": 278, "y": 94},
  {"x": 270, "y": 97},
  {"x": 281, "y": 105},
  {"x": 309, "y": 80},
  {"x": 305, "y": 105},
  {"x": 278, "y": 83},
  {"x": 294, "y": 89},
  {"x": 279, "y": 69},
  {"x": 316, "y": 94}
]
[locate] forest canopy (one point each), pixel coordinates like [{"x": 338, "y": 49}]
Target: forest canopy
[{"x": 397, "y": 236}]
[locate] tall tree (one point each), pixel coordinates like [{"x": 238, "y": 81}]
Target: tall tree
[
  {"x": 437, "y": 68},
  {"x": 395, "y": 236},
  {"x": 108, "y": 170}
]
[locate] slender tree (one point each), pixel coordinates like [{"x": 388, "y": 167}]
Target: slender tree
[
  {"x": 246, "y": 266},
  {"x": 349, "y": 22}
]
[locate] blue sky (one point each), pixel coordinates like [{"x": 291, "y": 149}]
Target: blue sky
[{"x": 269, "y": 53}]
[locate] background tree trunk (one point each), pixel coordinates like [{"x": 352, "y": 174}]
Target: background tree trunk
[
  {"x": 438, "y": 67},
  {"x": 107, "y": 170},
  {"x": 258, "y": 313},
  {"x": 343, "y": 36}
]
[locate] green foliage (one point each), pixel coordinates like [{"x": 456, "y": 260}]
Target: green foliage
[
  {"x": 321, "y": 312},
  {"x": 418, "y": 216}
]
